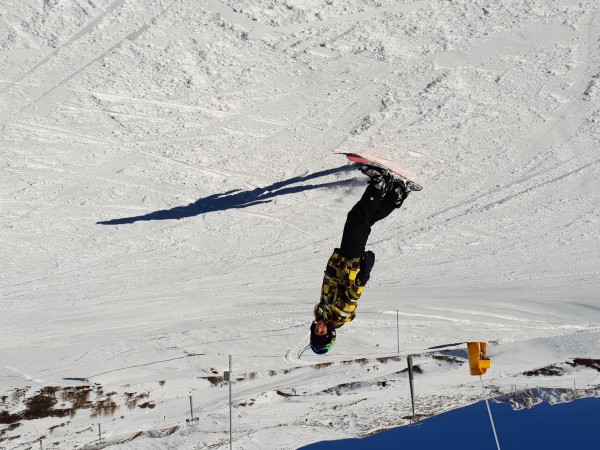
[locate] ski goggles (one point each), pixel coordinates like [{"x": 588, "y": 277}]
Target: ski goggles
[
  {"x": 322, "y": 350},
  {"x": 322, "y": 344}
]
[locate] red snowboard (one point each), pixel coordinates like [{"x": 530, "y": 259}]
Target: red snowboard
[{"x": 355, "y": 157}]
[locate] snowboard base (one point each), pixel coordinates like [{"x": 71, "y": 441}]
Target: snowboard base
[{"x": 360, "y": 159}]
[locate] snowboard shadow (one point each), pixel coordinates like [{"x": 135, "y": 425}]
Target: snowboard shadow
[{"x": 237, "y": 198}]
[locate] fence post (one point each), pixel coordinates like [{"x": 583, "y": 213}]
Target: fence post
[
  {"x": 410, "y": 379},
  {"x": 398, "y": 328},
  {"x": 227, "y": 377},
  {"x": 192, "y": 418}
]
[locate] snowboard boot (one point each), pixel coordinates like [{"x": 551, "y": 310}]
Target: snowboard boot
[
  {"x": 381, "y": 178},
  {"x": 402, "y": 189}
]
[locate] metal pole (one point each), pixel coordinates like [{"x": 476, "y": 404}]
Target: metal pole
[
  {"x": 398, "y": 328},
  {"x": 230, "y": 413},
  {"x": 490, "y": 413},
  {"x": 99, "y": 434},
  {"x": 191, "y": 410},
  {"x": 410, "y": 379}
]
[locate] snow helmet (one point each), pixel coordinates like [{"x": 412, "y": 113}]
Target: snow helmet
[{"x": 322, "y": 344}]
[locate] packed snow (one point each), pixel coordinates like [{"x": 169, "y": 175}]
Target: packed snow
[{"x": 171, "y": 190}]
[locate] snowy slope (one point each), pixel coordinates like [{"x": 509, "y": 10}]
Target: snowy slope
[{"x": 170, "y": 195}]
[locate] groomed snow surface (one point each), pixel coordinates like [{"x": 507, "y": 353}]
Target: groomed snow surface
[{"x": 170, "y": 195}]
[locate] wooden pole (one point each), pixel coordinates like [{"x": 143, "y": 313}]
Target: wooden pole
[{"x": 410, "y": 379}]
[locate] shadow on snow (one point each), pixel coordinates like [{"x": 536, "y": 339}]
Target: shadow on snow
[{"x": 237, "y": 198}]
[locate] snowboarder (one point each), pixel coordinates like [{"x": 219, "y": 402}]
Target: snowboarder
[{"x": 349, "y": 267}]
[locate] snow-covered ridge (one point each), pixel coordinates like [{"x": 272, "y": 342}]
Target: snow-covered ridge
[
  {"x": 529, "y": 398},
  {"x": 348, "y": 387}
]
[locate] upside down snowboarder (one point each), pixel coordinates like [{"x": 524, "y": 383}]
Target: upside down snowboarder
[{"x": 349, "y": 267}]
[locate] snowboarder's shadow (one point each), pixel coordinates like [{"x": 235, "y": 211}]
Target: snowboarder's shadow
[{"x": 238, "y": 198}]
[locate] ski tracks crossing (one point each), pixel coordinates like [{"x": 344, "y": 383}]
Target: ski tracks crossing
[{"x": 64, "y": 63}]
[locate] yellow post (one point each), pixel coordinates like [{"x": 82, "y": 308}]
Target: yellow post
[{"x": 479, "y": 363}]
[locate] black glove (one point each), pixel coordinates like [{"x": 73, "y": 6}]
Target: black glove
[{"x": 366, "y": 264}]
